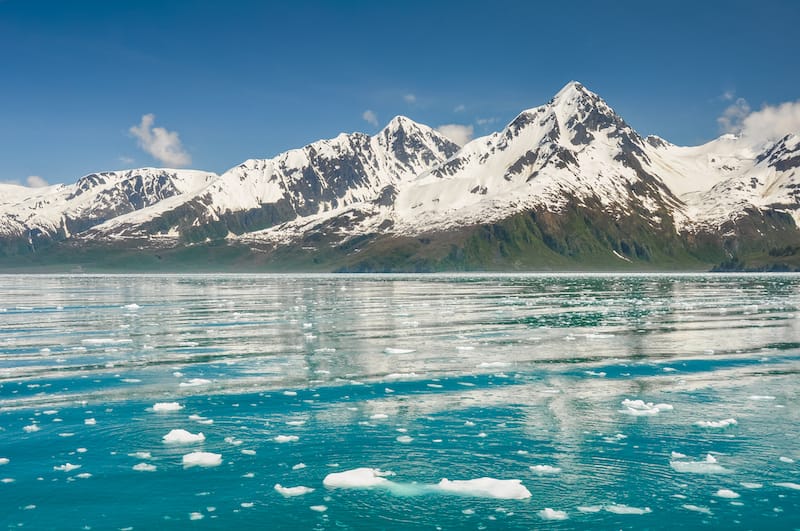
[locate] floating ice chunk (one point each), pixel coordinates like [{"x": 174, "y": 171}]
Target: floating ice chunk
[
  {"x": 7, "y": 480},
  {"x": 299, "y": 466},
  {"x": 390, "y": 350},
  {"x": 544, "y": 470},
  {"x": 761, "y": 397},
  {"x": 204, "y": 459},
  {"x": 4, "y": 460},
  {"x": 183, "y": 437},
  {"x": 286, "y": 438},
  {"x": 625, "y": 509},
  {"x": 290, "y": 393},
  {"x": 133, "y": 306},
  {"x": 84, "y": 475},
  {"x": 200, "y": 420},
  {"x": 469, "y": 424},
  {"x": 379, "y": 416},
  {"x": 31, "y": 428},
  {"x": 248, "y": 452},
  {"x": 145, "y": 467},
  {"x": 105, "y": 341},
  {"x": 233, "y": 440},
  {"x": 319, "y": 508},
  {"x": 678, "y": 455},
  {"x": 551, "y": 514},
  {"x": 357, "y": 478},
  {"x": 506, "y": 489},
  {"x": 492, "y": 364},
  {"x": 295, "y": 422},
  {"x": 162, "y": 407},
  {"x": 708, "y": 466},
  {"x": 81, "y": 450},
  {"x": 641, "y": 408},
  {"x": 289, "y": 492},
  {"x": 788, "y": 485},
  {"x": 697, "y": 508},
  {"x": 716, "y": 423},
  {"x": 196, "y": 516},
  {"x": 66, "y": 467},
  {"x": 246, "y": 505},
  {"x": 749, "y": 485},
  {"x": 405, "y": 439},
  {"x": 784, "y": 459},
  {"x": 194, "y": 382},
  {"x": 590, "y": 508},
  {"x": 141, "y": 455},
  {"x": 90, "y": 422},
  {"x": 400, "y": 375},
  {"x": 726, "y": 493}
]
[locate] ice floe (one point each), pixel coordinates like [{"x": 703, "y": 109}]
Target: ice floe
[
  {"x": 696, "y": 508},
  {"x": 357, "y": 478},
  {"x": 299, "y": 466},
  {"x": 196, "y": 516},
  {"x": 784, "y": 459},
  {"x": 181, "y": 436},
  {"x": 405, "y": 439},
  {"x": 141, "y": 455},
  {"x": 552, "y": 514},
  {"x": 726, "y": 493},
  {"x": 144, "y": 467},
  {"x": 4, "y": 460},
  {"x": 319, "y": 508},
  {"x": 788, "y": 485},
  {"x": 545, "y": 470},
  {"x": 194, "y": 382},
  {"x": 66, "y": 467},
  {"x": 716, "y": 423},
  {"x": 31, "y": 428},
  {"x": 203, "y": 459},
  {"x": 625, "y": 509},
  {"x": 166, "y": 406},
  {"x": 390, "y": 350},
  {"x": 90, "y": 422},
  {"x": 506, "y": 489},
  {"x": 289, "y": 492},
  {"x": 641, "y": 408},
  {"x": 132, "y": 306},
  {"x": 286, "y": 438},
  {"x": 750, "y": 485},
  {"x": 707, "y": 466}
]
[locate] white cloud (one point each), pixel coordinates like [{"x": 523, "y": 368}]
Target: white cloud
[
  {"x": 370, "y": 117},
  {"x": 485, "y": 121},
  {"x": 733, "y": 117},
  {"x": 164, "y": 146},
  {"x": 410, "y": 98},
  {"x": 127, "y": 161},
  {"x": 728, "y": 95},
  {"x": 772, "y": 122},
  {"x": 460, "y": 134},
  {"x": 34, "y": 181},
  {"x": 460, "y": 108}
]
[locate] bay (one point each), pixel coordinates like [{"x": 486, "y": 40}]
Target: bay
[{"x": 614, "y": 401}]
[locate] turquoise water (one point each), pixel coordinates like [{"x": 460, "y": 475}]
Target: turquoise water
[{"x": 293, "y": 378}]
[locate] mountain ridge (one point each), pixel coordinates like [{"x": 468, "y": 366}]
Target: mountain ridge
[{"x": 579, "y": 181}]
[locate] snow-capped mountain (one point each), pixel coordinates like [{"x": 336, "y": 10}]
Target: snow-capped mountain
[{"x": 568, "y": 180}]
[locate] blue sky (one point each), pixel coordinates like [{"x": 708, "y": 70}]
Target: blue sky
[{"x": 228, "y": 81}]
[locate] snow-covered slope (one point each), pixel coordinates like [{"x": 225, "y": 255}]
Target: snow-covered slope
[{"x": 64, "y": 210}]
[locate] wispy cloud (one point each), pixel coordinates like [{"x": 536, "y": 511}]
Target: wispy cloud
[
  {"x": 164, "y": 146},
  {"x": 370, "y": 117},
  {"x": 127, "y": 161},
  {"x": 410, "y": 98},
  {"x": 460, "y": 108},
  {"x": 34, "y": 181},
  {"x": 460, "y": 134},
  {"x": 732, "y": 118},
  {"x": 728, "y": 95},
  {"x": 485, "y": 121}
]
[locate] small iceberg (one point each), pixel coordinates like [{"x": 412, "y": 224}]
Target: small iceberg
[
  {"x": 639, "y": 408},
  {"x": 183, "y": 437},
  {"x": 202, "y": 459},
  {"x": 707, "y": 466},
  {"x": 290, "y": 492}
]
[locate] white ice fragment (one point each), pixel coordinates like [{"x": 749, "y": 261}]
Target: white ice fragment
[
  {"x": 390, "y": 350},
  {"x": 708, "y": 466},
  {"x": 319, "y": 508},
  {"x": 248, "y": 452},
  {"x": 749, "y": 485},
  {"x": 590, "y": 508},
  {"x": 31, "y": 428},
  {"x": 141, "y": 455},
  {"x": 356, "y": 478},
  {"x": 144, "y": 467},
  {"x": 379, "y": 416},
  {"x": 788, "y": 485},
  {"x": 697, "y": 508},
  {"x": 761, "y": 397},
  {"x": 196, "y": 516},
  {"x": 233, "y": 440},
  {"x": 640, "y": 408},
  {"x": 716, "y": 423},
  {"x": 726, "y": 493},
  {"x": 66, "y": 467},
  {"x": 492, "y": 364},
  {"x": 405, "y": 439},
  {"x": 133, "y": 306},
  {"x": 84, "y": 475},
  {"x": 204, "y": 459},
  {"x": 290, "y": 393},
  {"x": 625, "y": 509},
  {"x": 81, "y": 450},
  {"x": 289, "y": 492},
  {"x": 194, "y": 382},
  {"x": 200, "y": 420},
  {"x": 286, "y": 438},
  {"x": 543, "y": 470},
  {"x": 506, "y": 489},
  {"x": 162, "y": 407},
  {"x": 4, "y": 460},
  {"x": 678, "y": 455},
  {"x": 784, "y": 459},
  {"x": 180, "y": 436},
  {"x": 551, "y": 514},
  {"x": 7, "y": 480},
  {"x": 299, "y": 466},
  {"x": 90, "y": 422}
]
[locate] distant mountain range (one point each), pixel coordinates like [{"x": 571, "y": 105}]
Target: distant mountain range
[{"x": 565, "y": 186}]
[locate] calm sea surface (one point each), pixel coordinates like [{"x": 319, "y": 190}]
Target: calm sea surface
[{"x": 385, "y": 402}]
